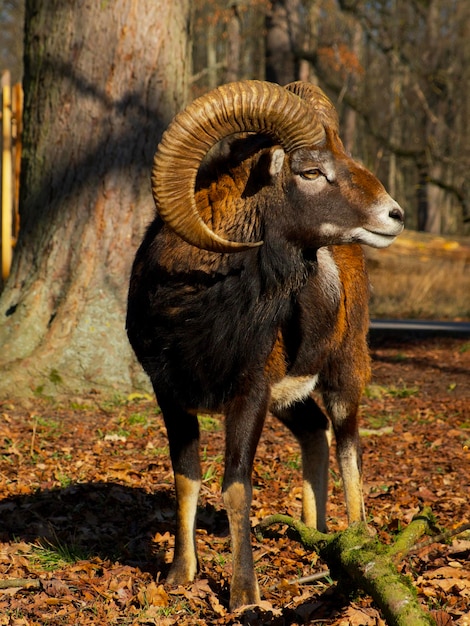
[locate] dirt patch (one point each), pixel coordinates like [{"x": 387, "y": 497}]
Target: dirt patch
[{"x": 86, "y": 504}]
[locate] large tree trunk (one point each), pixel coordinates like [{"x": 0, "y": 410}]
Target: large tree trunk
[{"x": 102, "y": 81}]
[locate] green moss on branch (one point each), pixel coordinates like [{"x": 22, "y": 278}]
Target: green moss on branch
[{"x": 356, "y": 556}]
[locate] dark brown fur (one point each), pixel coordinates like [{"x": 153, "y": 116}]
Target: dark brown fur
[{"x": 221, "y": 332}]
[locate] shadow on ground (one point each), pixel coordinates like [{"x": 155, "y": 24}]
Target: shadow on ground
[{"x": 107, "y": 520}]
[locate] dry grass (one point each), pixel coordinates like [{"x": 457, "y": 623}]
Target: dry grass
[{"x": 421, "y": 276}]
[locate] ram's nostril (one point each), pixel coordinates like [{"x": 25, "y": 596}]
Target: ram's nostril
[{"x": 397, "y": 213}]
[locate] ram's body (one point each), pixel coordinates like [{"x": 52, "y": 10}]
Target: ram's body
[{"x": 241, "y": 332}]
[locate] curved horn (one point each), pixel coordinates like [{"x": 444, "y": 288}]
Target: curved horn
[
  {"x": 233, "y": 108},
  {"x": 318, "y": 100}
]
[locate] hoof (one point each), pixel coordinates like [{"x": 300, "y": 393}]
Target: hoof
[
  {"x": 243, "y": 597},
  {"x": 181, "y": 574}
]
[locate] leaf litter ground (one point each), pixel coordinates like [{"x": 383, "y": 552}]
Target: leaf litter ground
[{"x": 87, "y": 505}]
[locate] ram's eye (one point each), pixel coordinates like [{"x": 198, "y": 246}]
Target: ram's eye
[{"x": 311, "y": 174}]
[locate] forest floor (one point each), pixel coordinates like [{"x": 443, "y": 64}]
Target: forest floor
[{"x": 86, "y": 505}]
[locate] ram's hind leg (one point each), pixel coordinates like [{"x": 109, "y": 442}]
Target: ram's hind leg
[
  {"x": 311, "y": 428},
  {"x": 183, "y": 437}
]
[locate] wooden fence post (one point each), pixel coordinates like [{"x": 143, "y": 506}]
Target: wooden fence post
[{"x": 11, "y": 115}]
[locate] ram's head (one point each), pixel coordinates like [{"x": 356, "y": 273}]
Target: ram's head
[{"x": 308, "y": 154}]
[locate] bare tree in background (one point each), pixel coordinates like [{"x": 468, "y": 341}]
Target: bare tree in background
[
  {"x": 416, "y": 111},
  {"x": 282, "y": 40},
  {"x": 229, "y": 42}
]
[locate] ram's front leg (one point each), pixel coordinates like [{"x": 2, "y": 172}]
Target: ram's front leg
[
  {"x": 244, "y": 422},
  {"x": 183, "y": 437},
  {"x": 344, "y": 417}
]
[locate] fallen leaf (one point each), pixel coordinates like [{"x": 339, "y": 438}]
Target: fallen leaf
[
  {"x": 448, "y": 572},
  {"x": 153, "y": 595},
  {"x": 55, "y": 588},
  {"x": 359, "y": 617},
  {"x": 441, "y": 618}
]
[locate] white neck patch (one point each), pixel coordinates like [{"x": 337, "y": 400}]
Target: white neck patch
[{"x": 328, "y": 275}]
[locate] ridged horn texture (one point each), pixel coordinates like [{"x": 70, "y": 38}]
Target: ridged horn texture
[
  {"x": 245, "y": 106},
  {"x": 319, "y": 102}
]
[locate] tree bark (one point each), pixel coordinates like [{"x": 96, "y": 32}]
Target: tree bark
[{"x": 102, "y": 81}]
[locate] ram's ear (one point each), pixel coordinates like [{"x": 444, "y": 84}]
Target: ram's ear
[{"x": 277, "y": 161}]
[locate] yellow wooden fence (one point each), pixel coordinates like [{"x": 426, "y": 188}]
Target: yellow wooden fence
[{"x": 11, "y": 117}]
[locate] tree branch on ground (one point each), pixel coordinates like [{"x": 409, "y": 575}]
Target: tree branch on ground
[{"x": 354, "y": 556}]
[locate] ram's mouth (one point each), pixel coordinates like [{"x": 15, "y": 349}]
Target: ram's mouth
[
  {"x": 389, "y": 234},
  {"x": 376, "y": 238},
  {"x": 385, "y": 236}
]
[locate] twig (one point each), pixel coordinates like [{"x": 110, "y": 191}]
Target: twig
[
  {"x": 305, "y": 580},
  {"x": 12, "y": 583},
  {"x": 33, "y": 436},
  {"x": 195, "y": 77},
  {"x": 441, "y": 538}
]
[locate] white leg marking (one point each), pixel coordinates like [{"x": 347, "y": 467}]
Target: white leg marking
[
  {"x": 184, "y": 566},
  {"x": 348, "y": 451},
  {"x": 315, "y": 463},
  {"x": 349, "y": 464}
]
